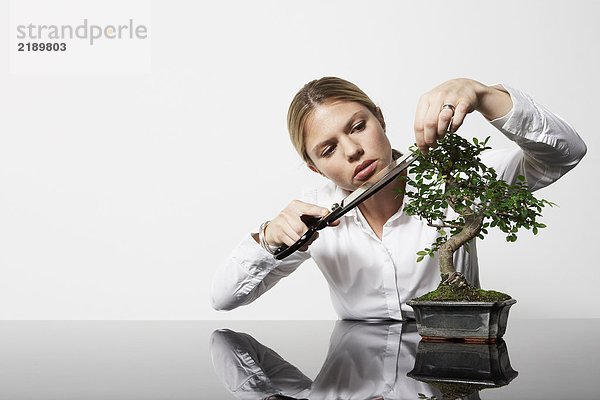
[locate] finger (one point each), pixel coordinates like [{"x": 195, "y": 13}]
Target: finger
[
  {"x": 460, "y": 112},
  {"x": 276, "y": 234},
  {"x": 421, "y": 145},
  {"x": 444, "y": 120},
  {"x": 419, "y": 125},
  {"x": 286, "y": 228},
  {"x": 289, "y": 236},
  {"x": 431, "y": 123},
  {"x": 303, "y": 208},
  {"x": 295, "y": 224}
]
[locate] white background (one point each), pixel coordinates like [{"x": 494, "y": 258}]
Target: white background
[{"x": 120, "y": 194}]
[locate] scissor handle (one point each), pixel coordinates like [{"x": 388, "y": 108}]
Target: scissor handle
[{"x": 312, "y": 222}]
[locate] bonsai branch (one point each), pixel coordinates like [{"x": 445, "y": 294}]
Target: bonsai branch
[{"x": 444, "y": 225}]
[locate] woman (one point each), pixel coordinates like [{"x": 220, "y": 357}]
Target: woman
[
  {"x": 365, "y": 360},
  {"x": 368, "y": 257}
]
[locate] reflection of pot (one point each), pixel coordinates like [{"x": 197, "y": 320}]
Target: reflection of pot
[
  {"x": 469, "y": 321},
  {"x": 460, "y": 369}
]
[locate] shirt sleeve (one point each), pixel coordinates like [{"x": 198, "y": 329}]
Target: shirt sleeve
[
  {"x": 249, "y": 272},
  {"x": 251, "y": 370},
  {"x": 549, "y": 146}
]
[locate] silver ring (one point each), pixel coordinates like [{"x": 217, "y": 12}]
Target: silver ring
[{"x": 448, "y": 106}]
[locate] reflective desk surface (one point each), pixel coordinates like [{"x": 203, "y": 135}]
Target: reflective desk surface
[{"x": 538, "y": 359}]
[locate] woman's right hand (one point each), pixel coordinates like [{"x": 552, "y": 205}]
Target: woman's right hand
[{"x": 287, "y": 227}]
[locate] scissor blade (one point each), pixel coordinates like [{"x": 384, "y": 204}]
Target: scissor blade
[
  {"x": 383, "y": 177},
  {"x": 365, "y": 191}
]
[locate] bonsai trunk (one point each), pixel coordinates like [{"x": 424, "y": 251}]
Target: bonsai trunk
[{"x": 473, "y": 224}]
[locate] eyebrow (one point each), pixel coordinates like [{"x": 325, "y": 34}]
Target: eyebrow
[{"x": 347, "y": 128}]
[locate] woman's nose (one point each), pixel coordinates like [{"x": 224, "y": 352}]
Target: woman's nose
[{"x": 352, "y": 149}]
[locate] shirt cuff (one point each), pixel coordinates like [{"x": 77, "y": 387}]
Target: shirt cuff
[
  {"x": 500, "y": 121},
  {"x": 524, "y": 120}
]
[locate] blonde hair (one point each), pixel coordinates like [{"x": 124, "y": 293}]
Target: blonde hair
[{"x": 315, "y": 93}]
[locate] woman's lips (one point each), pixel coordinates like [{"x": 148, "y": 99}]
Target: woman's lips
[{"x": 365, "y": 170}]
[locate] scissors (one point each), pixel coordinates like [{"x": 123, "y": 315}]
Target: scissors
[{"x": 361, "y": 194}]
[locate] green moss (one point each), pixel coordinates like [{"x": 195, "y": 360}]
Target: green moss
[
  {"x": 453, "y": 391},
  {"x": 446, "y": 292}
]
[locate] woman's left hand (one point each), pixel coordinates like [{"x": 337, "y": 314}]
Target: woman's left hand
[{"x": 432, "y": 119}]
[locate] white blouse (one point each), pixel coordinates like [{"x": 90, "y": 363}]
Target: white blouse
[
  {"x": 371, "y": 278},
  {"x": 365, "y": 360}
]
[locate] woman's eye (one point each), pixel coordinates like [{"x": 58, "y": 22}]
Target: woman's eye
[
  {"x": 327, "y": 151},
  {"x": 359, "y": 127}
]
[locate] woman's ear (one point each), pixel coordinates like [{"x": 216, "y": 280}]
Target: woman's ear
[
  {"x": 379, "y": 116},
  {"x": 313, "y": 169}
]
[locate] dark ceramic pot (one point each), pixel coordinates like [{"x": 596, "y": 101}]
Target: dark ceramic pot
[
  {"x": 467, "y": 321},
  {"x": 463, "y": 369},
  {"x": 485, "y": 365}
]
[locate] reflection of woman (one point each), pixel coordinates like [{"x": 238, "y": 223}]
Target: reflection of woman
[
  {"x": 251, "y": 370},
  {"x": 364, "y": 361},
  {"x": 368, "y": 258}
]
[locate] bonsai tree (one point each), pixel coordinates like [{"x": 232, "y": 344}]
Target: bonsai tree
[{"x": 453, "y": 176}]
